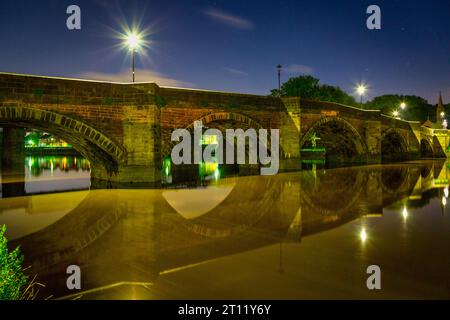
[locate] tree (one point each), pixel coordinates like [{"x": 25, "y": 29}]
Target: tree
[
  {"x": 335, "y": 94},
  {"x": 417, "y": 108},
  {"x": 309, "y": 88}
]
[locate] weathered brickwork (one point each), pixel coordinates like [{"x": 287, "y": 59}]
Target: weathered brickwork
[{"x": 125, "y": 129}]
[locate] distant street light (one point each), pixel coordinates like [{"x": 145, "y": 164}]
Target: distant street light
[
  {"x": 395, "y": 113},
  {"x": 361, "y": 90},
  {"x": 133, "y": 42},
  {"x": 279, "y": 67},
  {"x": 403, "y": 105}
]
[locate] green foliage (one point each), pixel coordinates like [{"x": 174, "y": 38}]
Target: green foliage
[
  {"x": 417, "y": 108},
  {"x": 308, "y": 87},
  {"x": 335, "y": 94},
  {"x": 303, "y": 86},
  {"x": 12, "y": 279}
]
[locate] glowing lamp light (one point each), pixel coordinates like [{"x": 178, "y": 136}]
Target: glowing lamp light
[
  {"x": 444, "y": 201},
  {"x": 361, "y": 89},
  {"x": 133, "y": 41},
  {"x": 395, "y": 113},
  {"x": 445, "y": 124},
  {"x": 442, "y": 114},
  {"x": 405, "y": 213},
  {"x": 363, "y": 235},
  {"x": 403, "y": 105},
  {"x": 446, "y": 192}
]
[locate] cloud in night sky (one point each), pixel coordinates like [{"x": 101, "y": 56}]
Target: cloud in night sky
[
  {"x": 299, "y": 69},
  {"x": 235, "y": 71},
  {"x": 229, "y": 19},
  {"x": 142, "y": 75}
]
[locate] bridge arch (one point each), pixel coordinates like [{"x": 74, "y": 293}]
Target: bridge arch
[
  {"x": 426, "y": 148},
  {"x": 228, "y": 116},
  {"x": 216, "y": 117},
  {"x": 90, "y": 142},
  {"x": 393, "y": 145},
  {"x": 339, "y": 137},
  {"x": 223, "y": 120}
]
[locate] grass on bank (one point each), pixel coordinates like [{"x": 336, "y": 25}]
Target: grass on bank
[{"x": 14, "y": 284}]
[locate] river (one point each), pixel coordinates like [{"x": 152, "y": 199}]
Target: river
[{"x": 301, "y": 235}]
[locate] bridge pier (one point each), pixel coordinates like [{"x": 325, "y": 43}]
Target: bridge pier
[
  {"x": 290, "y": 135},
  {"x": 373, "y": 141},
  {"x": 12, "y": 161},
  {"x": 141, "y": 132}
]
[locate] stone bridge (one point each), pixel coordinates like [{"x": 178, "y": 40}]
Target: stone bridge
[{"x": 124, "y": 129}]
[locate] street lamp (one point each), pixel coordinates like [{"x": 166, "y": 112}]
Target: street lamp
[
  {"x": 133, "y": 42},
  {"x": 361, "y": 90},
  {"x": 279, "y": 67},
  {"x": 403, "y": 105},
  {"x": 395, "y": 113}
]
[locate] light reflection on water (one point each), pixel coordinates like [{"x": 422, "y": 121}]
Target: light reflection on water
[
  {"x": 44, "y": 174},
  {"x": 36, "y": 166},
  {"x": 56, "y": 173},
  {"x": 309, "y": 234}
]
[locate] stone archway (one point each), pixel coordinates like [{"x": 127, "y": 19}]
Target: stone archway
[
  {"x": 426, "y": 149},
  {"x": 393, "y": 146},
  {"x": 223, "y": 121},
  {"x": 103, "y": 153},
  {"x": 216, "y": 117},
  {"x": 342, "y": 141}
]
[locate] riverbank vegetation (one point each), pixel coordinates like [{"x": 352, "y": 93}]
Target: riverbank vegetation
[{"x": 14, "y": 284}]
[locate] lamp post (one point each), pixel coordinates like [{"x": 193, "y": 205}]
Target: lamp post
[
  {"x": 279, "y": 67},
  {"x": 395, "y": 113},
  {"x": 361, "y": 90},
  {"x": 133, "y": 42},
  {"x": 133, "y": 52}
]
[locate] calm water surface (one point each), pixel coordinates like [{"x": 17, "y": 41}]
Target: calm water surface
[{"x": 308, "y": 234}]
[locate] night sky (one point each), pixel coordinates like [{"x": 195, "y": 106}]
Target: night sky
[{"x": 234, "y": 45}]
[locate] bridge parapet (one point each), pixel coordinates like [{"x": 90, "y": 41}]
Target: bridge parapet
[
  {"x": 53, "y": 90},
  {"x": 340, "y": 109}
]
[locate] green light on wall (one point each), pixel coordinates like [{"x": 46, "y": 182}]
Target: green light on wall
[
  {"x": 167, "y": 166},
  {"x": 217, "y": 174}
]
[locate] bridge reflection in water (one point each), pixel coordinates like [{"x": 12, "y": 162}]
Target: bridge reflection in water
[{"x": 309, "y": 234}]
